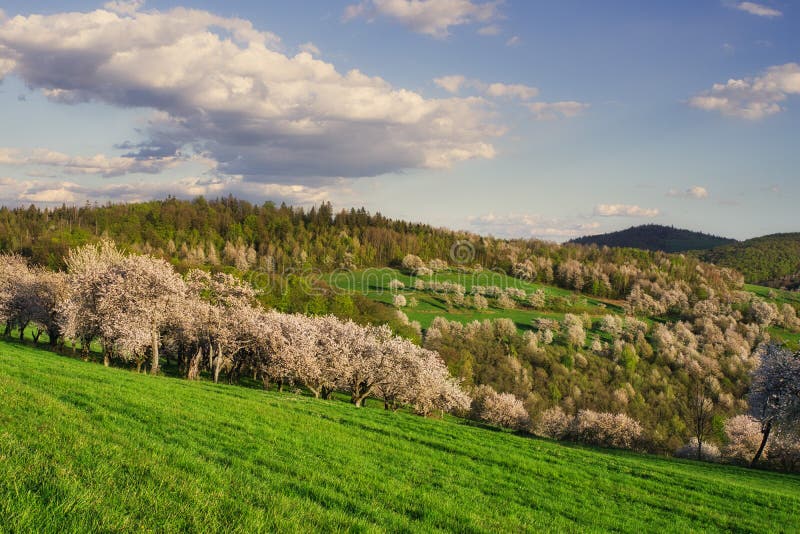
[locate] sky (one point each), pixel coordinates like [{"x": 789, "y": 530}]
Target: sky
[{"x": 513, "y": 118}]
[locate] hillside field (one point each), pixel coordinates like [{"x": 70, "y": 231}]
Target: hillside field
[
  {"x": 374, "y": 284},
  {"x": 88, "y": 448}
]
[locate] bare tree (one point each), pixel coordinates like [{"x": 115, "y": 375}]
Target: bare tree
[{"x": 698, "y": 411}]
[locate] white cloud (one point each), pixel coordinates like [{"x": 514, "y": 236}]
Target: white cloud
[
  {"x": 514, "y": 41},
  {"x": 124, "y": 7},
  {"x": 310, "y": 48},
  {"x": 523, "y": 92},
  {"x": 221, "y": 87},
  {"x": 527, "y": 225},
  {"x": 557, "y": 110},
  {"x": 451, "y": 84},
  {"x": 429, "y": 17},
  {"x": 58, "y": 191},
  {"x": 758, "y": 9},
  {"x": 695, "y": 191},
  {"x": 624, "y": 210},
  {"x": 752, "y": 98},
  {"x": 454, "y": 83},
  {"x": 492, "y": 29},
  {"x": 99, "y": 164}
]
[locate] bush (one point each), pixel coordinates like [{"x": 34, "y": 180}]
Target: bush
[
  {"x": 784, "y": 451},
  {"x": 708, "y": 453},
  {"x": 501, "y": 409},
  {"x": 553, "y": 423},
  {"x": 605, "y": 429},
  {"x": 743, "y": 434},
  {"x": 396, "y": 284}
]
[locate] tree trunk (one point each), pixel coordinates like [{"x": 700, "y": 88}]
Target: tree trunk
[
  {"x": 193, "y": 372},
  {"x": 36, "y": 334},
  {"x": 217, "y": 365},
  {"x": 265, "y": 380},
  {"x": 154, "y": 340},
  {"x": 763, "y": 444},
  {"x": 106, "y": 359},
  {"x": 138, "y": 366},
  {"x": 360, "y": 392},
  {"x": 699, "y": 449}
]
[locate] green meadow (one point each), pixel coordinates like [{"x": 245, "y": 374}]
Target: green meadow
[{"x": 87, "y": 448}]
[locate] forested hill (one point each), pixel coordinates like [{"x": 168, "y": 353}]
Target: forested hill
[
  {"x": 226, "y": 231},
  {"x": 772, "y": 260},
  {"x": 656, "y": 237}
]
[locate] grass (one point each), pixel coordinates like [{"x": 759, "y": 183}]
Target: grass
[
  {"x": 87, "y": 448},
  {"x": 374, "y": 284}
]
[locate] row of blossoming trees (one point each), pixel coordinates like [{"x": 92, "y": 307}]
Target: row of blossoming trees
[{"x": 138, "y": 308}]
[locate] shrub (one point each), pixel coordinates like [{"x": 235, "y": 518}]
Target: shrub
[
  {"x": 505, "y": 302},
  {"x": 396, "y": 284},
  {"x": 553, "y": 423},
  {"x": 744, "y": 437},
  {"x": 709, "y": 452},
  {"x": 605, "y": 429},
  {"x": 501, "y": 409},
  {"x": 784, "y": 451}
]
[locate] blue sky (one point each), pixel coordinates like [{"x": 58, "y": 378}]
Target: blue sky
[{"x": 524, "y": 119}]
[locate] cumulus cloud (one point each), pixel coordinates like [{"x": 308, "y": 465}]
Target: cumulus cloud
[
  {"x": 695, "y": 191},
  {"x": 624, "y": 210},
  {"x": 451, "y": 84},
  {"x": 222, "y": 88},
  {"x": 429, "y": 17},
  {"x": 59, "y": 191},
  {"x": 514, "y": 40},
  {"x": 454, "y": 83},
  {"x": 125, "y": 7},
  {"x": 557, "y": 110},
  {"x": 527, "y": 225},
  {"x": 752, "y": 98},
  {"x": 99, "y": 164},
  {"x": 310, "y": 48},
  {"x": 758, "y": 9}
]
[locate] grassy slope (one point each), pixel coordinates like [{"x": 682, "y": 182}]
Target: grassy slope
[
  {"x": 374, "y": 283},
  {"x": 88, "y": 448}
]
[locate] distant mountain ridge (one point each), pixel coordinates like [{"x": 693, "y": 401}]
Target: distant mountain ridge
[{"x": 656, "y": 237}]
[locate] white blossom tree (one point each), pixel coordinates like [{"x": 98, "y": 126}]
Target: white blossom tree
[{"x": 774, "y": 397}]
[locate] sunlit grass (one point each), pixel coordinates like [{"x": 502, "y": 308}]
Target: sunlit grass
[{"x": 85, "y": 448}]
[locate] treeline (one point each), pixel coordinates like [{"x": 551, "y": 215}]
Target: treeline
[
  {"x": 138, "y": 310},
  {"x": 230, "y": 234},
  {"x": 772, "y": 260}
]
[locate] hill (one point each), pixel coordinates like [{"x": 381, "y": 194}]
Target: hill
[
  {"x": 656, "y": 237},
  {"x": 86, "y": 448},
  {"x": 772, "y": 260}
]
